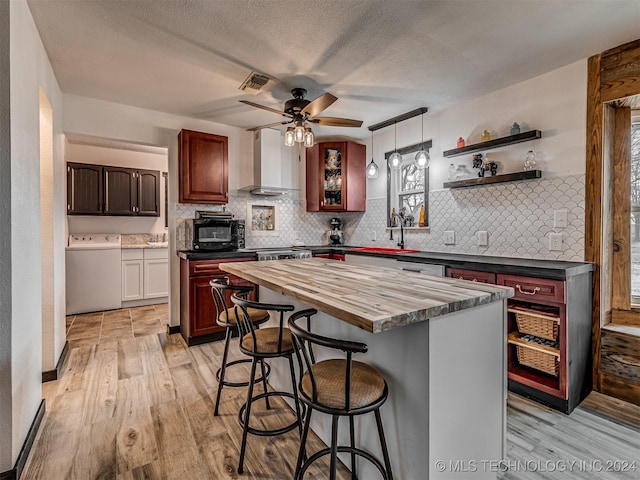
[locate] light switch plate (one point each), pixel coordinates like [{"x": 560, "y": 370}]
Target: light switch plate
[
  {"x": 449, "y": 237},
  {"x": 483, "y": 238},
  {"x": 560, "y": 218},
  {"x": 555, "y": 242}
]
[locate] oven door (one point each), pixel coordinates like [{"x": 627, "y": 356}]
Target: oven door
[{"x": 212, "y": 234}]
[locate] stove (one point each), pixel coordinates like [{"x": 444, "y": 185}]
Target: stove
[{"x": 281, "y": 253}]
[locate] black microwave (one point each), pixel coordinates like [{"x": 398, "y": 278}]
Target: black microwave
[{"x": 218, "y": 234}]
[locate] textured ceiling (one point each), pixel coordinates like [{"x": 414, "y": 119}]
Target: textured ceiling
[{"x": 381, "y": 58}]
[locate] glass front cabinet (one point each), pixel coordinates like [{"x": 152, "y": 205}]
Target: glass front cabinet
[{"x": 336, "y": 179}]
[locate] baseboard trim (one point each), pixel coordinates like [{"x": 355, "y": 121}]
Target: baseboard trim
[
  {"x": 56, "y": 373},
  {"x": 171, "y": 329},
  {"x": 16, "y": 472}
]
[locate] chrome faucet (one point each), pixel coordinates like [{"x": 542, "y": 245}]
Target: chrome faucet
[{"x": 401, "y": 218}]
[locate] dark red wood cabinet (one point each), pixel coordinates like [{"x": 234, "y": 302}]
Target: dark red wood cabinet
[
  {"x": 197, "y": 309},
  {"x": 550, "y": 364},
  {"x": 336, "y": 177},
  {"x": 203, "y": 168},
  {"x": 331, "y": 256}
]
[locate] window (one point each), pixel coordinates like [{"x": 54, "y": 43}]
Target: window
[{"x": 408, "y": 187}]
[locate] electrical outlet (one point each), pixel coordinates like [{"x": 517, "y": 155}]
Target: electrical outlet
[
  {"x": 483, "y": 238},
  {"x": 449, "y": 237},
  {"x": 560, "y": 218},
  {"x": 555, "y": 242}
]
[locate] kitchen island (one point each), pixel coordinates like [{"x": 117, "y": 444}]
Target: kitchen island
[{"x": 439, "y": 342}]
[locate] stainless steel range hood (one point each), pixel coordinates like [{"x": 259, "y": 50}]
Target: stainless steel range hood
[{"x": 267, "y": 165}]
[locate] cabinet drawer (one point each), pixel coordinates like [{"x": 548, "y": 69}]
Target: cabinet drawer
[
  {"x": 132, "y": 254},
  {"x": 198, "y": 268},
  {"x": 534, "y": 289},
  {"x": 471, "y": 275},
  {"x": 153, "y": 253}
]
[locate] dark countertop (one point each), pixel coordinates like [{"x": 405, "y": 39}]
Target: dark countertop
[{"x": 552, "y": 269}]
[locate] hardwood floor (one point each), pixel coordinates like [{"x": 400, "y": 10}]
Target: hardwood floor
[{"x": 136, "y": 403}]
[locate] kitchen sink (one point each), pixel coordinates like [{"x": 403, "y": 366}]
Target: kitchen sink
[{"x": 382, "y": 250}]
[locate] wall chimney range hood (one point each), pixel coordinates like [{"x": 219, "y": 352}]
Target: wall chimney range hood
[{"x": 267, "y": 165}]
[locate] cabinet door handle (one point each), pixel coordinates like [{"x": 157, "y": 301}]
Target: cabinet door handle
[
  {"x": 535, "y": 290},
  {"x": 106, "y": 192},
  {"x": 472, "y": 280}
]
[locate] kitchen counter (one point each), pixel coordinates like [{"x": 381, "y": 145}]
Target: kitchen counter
[
  {"x": 439, "y": 343},
  {"x": 552, "y": 269},
  {"x": 372, "y": 298},
  {"x": 145, "y": 245}
]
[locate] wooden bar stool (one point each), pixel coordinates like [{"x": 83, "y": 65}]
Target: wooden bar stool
[
  {"x": 338, "y": 387},
  {"x": 268, "y": 342},
  {"x": 227, "y": 317}
]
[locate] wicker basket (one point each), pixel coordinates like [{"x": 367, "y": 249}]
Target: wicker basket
[
  {"x": 537, "y": 323},
  {"x": 545, "y": 362}
]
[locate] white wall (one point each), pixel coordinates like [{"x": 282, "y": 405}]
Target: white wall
[
  {"x": 98, "y": 118},
  {"x": 553, "y": 103},
  {"x": 30, "y": 70},
  {"x": 119, "y": 158}
]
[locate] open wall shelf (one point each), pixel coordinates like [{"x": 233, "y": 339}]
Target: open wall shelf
[
  {"x": 507, "y": 177},
  {"x": 498, "y": 142}
]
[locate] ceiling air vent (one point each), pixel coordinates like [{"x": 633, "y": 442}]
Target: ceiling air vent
[{"x": 254, "y": 82}]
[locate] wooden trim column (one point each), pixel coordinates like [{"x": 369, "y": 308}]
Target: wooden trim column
[{"x": 593, "y": 201}]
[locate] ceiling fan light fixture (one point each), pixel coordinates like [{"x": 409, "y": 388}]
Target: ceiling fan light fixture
[
  {"x": 308, "y": 136},
  {"x": 289, "y": 137},
  {"x": 422, "y": 159},
  {"x": 298, "y": 133}
]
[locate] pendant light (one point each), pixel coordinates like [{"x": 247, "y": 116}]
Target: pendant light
[
  {"x": 422, "y": 157},
  {"x": 372, "y": 168},
  {"x": 395, "y": 159}
]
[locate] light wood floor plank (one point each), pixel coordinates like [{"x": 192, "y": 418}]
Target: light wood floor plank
[{"x": 136, "y": 408}]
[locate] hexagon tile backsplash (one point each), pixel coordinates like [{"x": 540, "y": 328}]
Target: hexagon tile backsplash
[{"x": 518, "y": 217}]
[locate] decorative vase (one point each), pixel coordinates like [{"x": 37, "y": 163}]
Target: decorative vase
[
  {"x": 486, "y": 136},
  {"x": 515, "y": 129},
  {"x": 530, "y": 161},
  {"x": 461, "y": 142},
  {"x": 452, "y": 171}
]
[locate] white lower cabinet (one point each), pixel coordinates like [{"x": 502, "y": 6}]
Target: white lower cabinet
[{"x": 145, "y": 273}]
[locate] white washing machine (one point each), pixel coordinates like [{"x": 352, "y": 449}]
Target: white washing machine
[{"x": 94, "y": 275}]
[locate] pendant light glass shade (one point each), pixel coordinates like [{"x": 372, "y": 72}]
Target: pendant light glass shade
[
  {"x": 288, "y": 137},
  {"x": 308, "y": 137},
  {"x": 422, "y": 159},
  {"x": 298, "y": 133},
  {"x": 372, "y": 168},
  {"x": 395, "y": 160}
]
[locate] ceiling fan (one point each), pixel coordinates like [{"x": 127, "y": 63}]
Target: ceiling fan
[{"x": 299, "y": 111}]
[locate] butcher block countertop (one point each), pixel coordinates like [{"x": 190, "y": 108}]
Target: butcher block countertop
[{"x": 374, "y": 299}]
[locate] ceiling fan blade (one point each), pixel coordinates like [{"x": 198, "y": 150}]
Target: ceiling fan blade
[
  {"x": 319, "y": 104},
  {"x": 253, "y": 129},
  {"x": 268, "y": 109},
  {"x": 336, "y": 122}
]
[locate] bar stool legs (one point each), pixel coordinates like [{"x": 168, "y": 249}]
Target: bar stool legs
[
  {"x": 245, "y": 411},
  {"x": 220, "y": 373}
]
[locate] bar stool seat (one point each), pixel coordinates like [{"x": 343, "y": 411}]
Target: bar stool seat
[
  {"x": 228, "y": 318},
  {"x": 268, "y": 341},
  {"x": 367, "y": 385}
]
